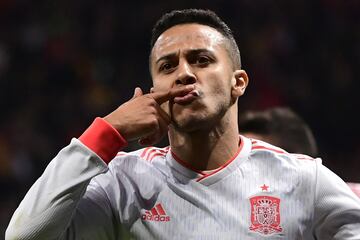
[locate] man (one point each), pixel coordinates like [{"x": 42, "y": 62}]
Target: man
[
  {"x": 210, "y": 183},
  {"x": 282, "y": 127}
]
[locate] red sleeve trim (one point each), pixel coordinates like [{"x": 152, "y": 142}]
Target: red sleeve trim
[{"x": 103, "y": 139}]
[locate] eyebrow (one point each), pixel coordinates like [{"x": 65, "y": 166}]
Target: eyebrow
[
  {"x": 167, "y": 56},
  {"x": 188, "y": 52}
]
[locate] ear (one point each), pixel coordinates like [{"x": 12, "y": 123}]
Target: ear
[
  {"x": 239, "y": 83},
  {"x": 151, "y": 89}
]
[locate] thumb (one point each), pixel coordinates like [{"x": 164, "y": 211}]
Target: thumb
[{"x": 138, "y": 92}]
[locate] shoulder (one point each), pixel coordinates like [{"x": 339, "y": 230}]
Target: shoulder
[
  {"x": 263, "y": 151},
  {"x": 261, "y": 146},
  {"x": 147, "y": 154},
  {"x": 143, "y": 167},
  {"x": 143, "y": 156}
]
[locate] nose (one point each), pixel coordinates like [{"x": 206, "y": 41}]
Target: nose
[{"x": 185, "y": 74}]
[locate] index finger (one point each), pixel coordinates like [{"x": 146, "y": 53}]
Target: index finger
[{"x": 163, "y": 96}]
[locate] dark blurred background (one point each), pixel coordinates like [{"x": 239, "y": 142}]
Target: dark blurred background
[{"x": 62, "y": 63}]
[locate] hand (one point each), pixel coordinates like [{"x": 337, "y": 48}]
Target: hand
[{"x": 142, "y": 117}]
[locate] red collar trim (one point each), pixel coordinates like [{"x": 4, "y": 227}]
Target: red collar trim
[{"x": 204, "y": 174}]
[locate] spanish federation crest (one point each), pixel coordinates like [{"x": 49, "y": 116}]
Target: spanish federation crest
[{"x": 265, "y": 215}]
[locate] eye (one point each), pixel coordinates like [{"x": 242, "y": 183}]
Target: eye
[
  {"x": 203, "y": 60},
  {"x": 166, "y": 66}
]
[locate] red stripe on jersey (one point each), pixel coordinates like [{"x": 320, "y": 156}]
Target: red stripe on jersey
[
  {"x": 149, "y": 155},
  {"x": 267, "y": 148},
  {"x": 156, "y": 154},
  {"x": 160, "y": 209},
  {"x": 258, "y": 145},
  {"x": 302, "y": 156},
  {"x": 145, "y": 152},
  {"x": 162, "y": 150}
]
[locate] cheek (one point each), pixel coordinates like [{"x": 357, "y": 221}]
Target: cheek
[
  {"x": 220, "y": 77},
  {"x": 219, "y": 91},
  {"x": 219, "y": 84},
  {"x": 161, "y": 84}
]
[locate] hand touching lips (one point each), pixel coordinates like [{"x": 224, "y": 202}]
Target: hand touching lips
[{"x": 149, "y": 122}]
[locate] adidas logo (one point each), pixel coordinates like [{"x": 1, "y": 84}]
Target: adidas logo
[{"x": 156, "y": 214}]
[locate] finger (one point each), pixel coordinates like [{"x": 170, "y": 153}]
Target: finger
[
  {"x": 161, "y": 97},
  {"x": 159, "y": 132},
  {"x": 137, "y": 92},
  {"x": 163, "y": 115},
  {"x": 163, "y": 128}
]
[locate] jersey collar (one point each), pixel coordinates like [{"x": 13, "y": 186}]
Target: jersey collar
[{"x": 183, "y": 173}]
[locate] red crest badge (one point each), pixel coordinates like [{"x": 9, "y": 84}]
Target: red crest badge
[{"x": 265, "y": 215}]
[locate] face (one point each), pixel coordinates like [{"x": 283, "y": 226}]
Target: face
[{"x": 196, "y": 54}]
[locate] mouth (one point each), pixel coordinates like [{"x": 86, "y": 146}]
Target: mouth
[{"x": 187, "y": 98}]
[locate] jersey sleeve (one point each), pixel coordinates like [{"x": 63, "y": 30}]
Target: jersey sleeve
[
  {"x": 61, "y": 203},
  {"x": 336, "y": 207},
  {"x": 93, "y": 217}
]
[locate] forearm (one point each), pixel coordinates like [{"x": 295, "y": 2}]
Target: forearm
[{"x": 48, "y": 207}]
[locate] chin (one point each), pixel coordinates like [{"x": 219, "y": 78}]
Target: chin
[
  {"x": 192, "y": 123},
  {"x": 196, "y": 118},
  {"x": 188, "y": 128}
]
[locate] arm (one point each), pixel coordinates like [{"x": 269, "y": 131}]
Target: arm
[
  {"x": 55, "y": 205},
  {"x": 337, "y": 209},
  {"x": 51, "y": 202}
]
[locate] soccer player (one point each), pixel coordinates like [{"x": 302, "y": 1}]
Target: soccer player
[
  {"x": 282, "y": 127},
  {"x": 210, "y": 183}
]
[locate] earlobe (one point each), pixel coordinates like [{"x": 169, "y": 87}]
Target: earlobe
[
  {"x": 240, "y": 82},
  {"x": 152, "y": 90}
]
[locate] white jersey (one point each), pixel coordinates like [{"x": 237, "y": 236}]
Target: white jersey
[{"x": 263, "y": 192}]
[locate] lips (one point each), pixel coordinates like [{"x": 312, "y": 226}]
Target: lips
[{"x": 187, "y": 98}]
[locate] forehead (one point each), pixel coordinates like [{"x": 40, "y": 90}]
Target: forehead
[{"x": 187, "y": 37}]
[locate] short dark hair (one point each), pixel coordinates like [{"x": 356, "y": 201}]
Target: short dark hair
[
  {"x": 200, "y": 16},
  {"x": 283, "y": 126}
]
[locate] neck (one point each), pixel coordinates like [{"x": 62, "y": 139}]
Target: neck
[{"x": 206, "y": 149}]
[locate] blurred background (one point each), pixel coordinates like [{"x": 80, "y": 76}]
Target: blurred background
[{"x": 62, "y": 63}]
